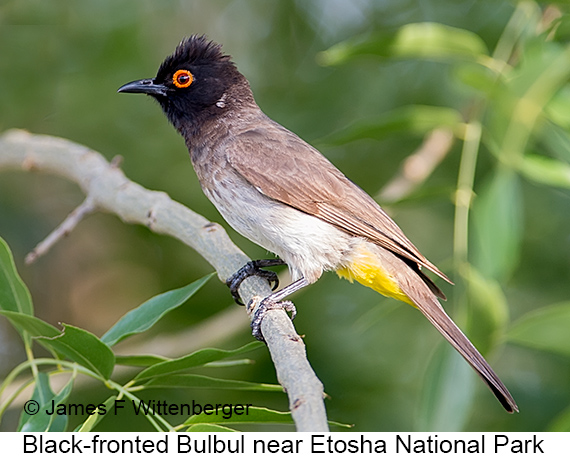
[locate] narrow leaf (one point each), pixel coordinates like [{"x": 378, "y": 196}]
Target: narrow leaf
[
  {"x": 557, "y": 140},
  {"x": 230, "y": 363},
  {"x": 42, "y": 421},
  {"x": 545, "y": 170},
  {"x": 498, "y": 221},
  {"x": 149, "y": 313},
  {"x": 488, "y": 310},
  {"x": 74, "y": 343},
  {"x": 196, "y": 359},
  {"x": 88, "y": 348},
  {"x": 199, "y": 381},
  {"x": 252, "y": 415},
  {"x": 557, "y": 108},
  {"x": 95, "y": 418},
  {"x": 545, "y": 329},
  {"x": 43, "y": 395},
  {"x": 35, "y": 326},
  {"x": 139, "y": 360},
  {"x": 430, "y": 40},
  {"x": 14, "y": 295},
  {"x": 480, "y": 78},
  {"x": 448, "y": 392},
  {"x": 426, "y": 40},
  {"x": 209, "y": 428}
]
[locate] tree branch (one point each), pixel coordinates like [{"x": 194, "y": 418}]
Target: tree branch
[
  {"x": 62, "y": 230},
  {"x": 418, "y": 166},
  {"x": 108, "y": 189}
]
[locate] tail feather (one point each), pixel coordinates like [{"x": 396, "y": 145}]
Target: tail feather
[
  {"x": 434, "y": 312},
  {"x": 400, "y": 278}
]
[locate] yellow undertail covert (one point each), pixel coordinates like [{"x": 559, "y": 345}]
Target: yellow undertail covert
[{"x": 367, "y": 269}]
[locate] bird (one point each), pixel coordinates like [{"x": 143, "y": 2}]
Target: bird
[{"x": 281, "y": 193}]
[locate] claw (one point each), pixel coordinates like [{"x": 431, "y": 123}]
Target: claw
[
  {"x": 267, "y": 304},
  {"x": 253, "y": 268}
]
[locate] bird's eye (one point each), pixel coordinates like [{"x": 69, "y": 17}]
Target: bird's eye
[{"x": 182, "y": 79}]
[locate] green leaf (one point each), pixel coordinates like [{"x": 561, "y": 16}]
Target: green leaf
[
  {"x": 196, "y": 359},
  {"x": 209, "y": 428},
  {"x": 545, "y": 170},
  {"x": 42, "y": 421},
  {"x": 139, "y": 360},
  {"x": 149, "y": 360},
  {"x": 149, "y": 313},
  {"x": 425, "y": 40},
  {"x": 488, "y": 310},
  {"x": 199, "y": 381},
  {"x": 516, "y": 113},
  {"x": 91, "y": 352},
  {"x": 95, "y": 418},
  {"x": 14, "y": 295},
  {"x": 35, "y": 326},
  {"x": 430, "y": 40},
  {"x": 416, "y": 119},
  {"x": 556, "y": 140},
  {"x": 229, "y": 363},
  {"x": 558, "y": 108},
  {"x": 43, "y": 395},
  {"x": 498, "y": 221},
  {"x": 74, "y": 343},
  {"x": 448, "y": 392},
  {"x": 560, "y": 27},
  {"x": 478, "y": 77},
  {"x": 252, "y": 415},
  {"x": 546, "y": 329}
]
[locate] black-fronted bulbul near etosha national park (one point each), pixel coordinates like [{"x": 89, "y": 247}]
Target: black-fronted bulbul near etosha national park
[{"x": 283, "y": 194}]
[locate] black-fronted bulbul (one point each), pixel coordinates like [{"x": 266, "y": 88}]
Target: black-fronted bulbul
[{"x": 283, "y": 194}]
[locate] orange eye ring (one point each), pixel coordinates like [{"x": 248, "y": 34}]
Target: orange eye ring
[{"x": 182, "y": 79}]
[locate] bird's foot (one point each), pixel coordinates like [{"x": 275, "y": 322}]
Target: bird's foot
[
  {"x": 253, "y": 268},
  {"x": 265, "y": 305}
]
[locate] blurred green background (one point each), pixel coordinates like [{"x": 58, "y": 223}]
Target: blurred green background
[{"x": 383, "y": 366}]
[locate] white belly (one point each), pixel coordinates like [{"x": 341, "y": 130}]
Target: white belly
[{"x": 308, "y": 245}]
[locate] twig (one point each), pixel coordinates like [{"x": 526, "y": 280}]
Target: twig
[
  {"x": 107, "y": 188},
  {"x": 418, "y": 166},
  {"x": 62, "y": 230}
]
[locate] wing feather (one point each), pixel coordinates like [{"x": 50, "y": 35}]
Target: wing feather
[{"x": 287, "y": 169}]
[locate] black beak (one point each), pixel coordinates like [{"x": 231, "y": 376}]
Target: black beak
[{"x": 144, "y": 86}]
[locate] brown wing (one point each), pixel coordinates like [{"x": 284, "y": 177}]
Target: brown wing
[{"x": 285, "y": 168}]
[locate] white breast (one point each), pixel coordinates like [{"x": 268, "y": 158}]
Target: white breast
[{"x": 308, "y": 245}]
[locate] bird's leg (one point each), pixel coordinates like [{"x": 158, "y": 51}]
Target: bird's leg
[
  {"x": 275, "y": 301},
  {"x": 253, "y": 268}
]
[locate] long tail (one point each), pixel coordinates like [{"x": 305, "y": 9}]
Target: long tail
[
  {"x": 432, "y": 309},
  {"x": 401, "y": 279}
]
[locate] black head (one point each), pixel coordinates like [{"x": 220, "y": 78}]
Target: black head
[{"x": 193, "y": 83}]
